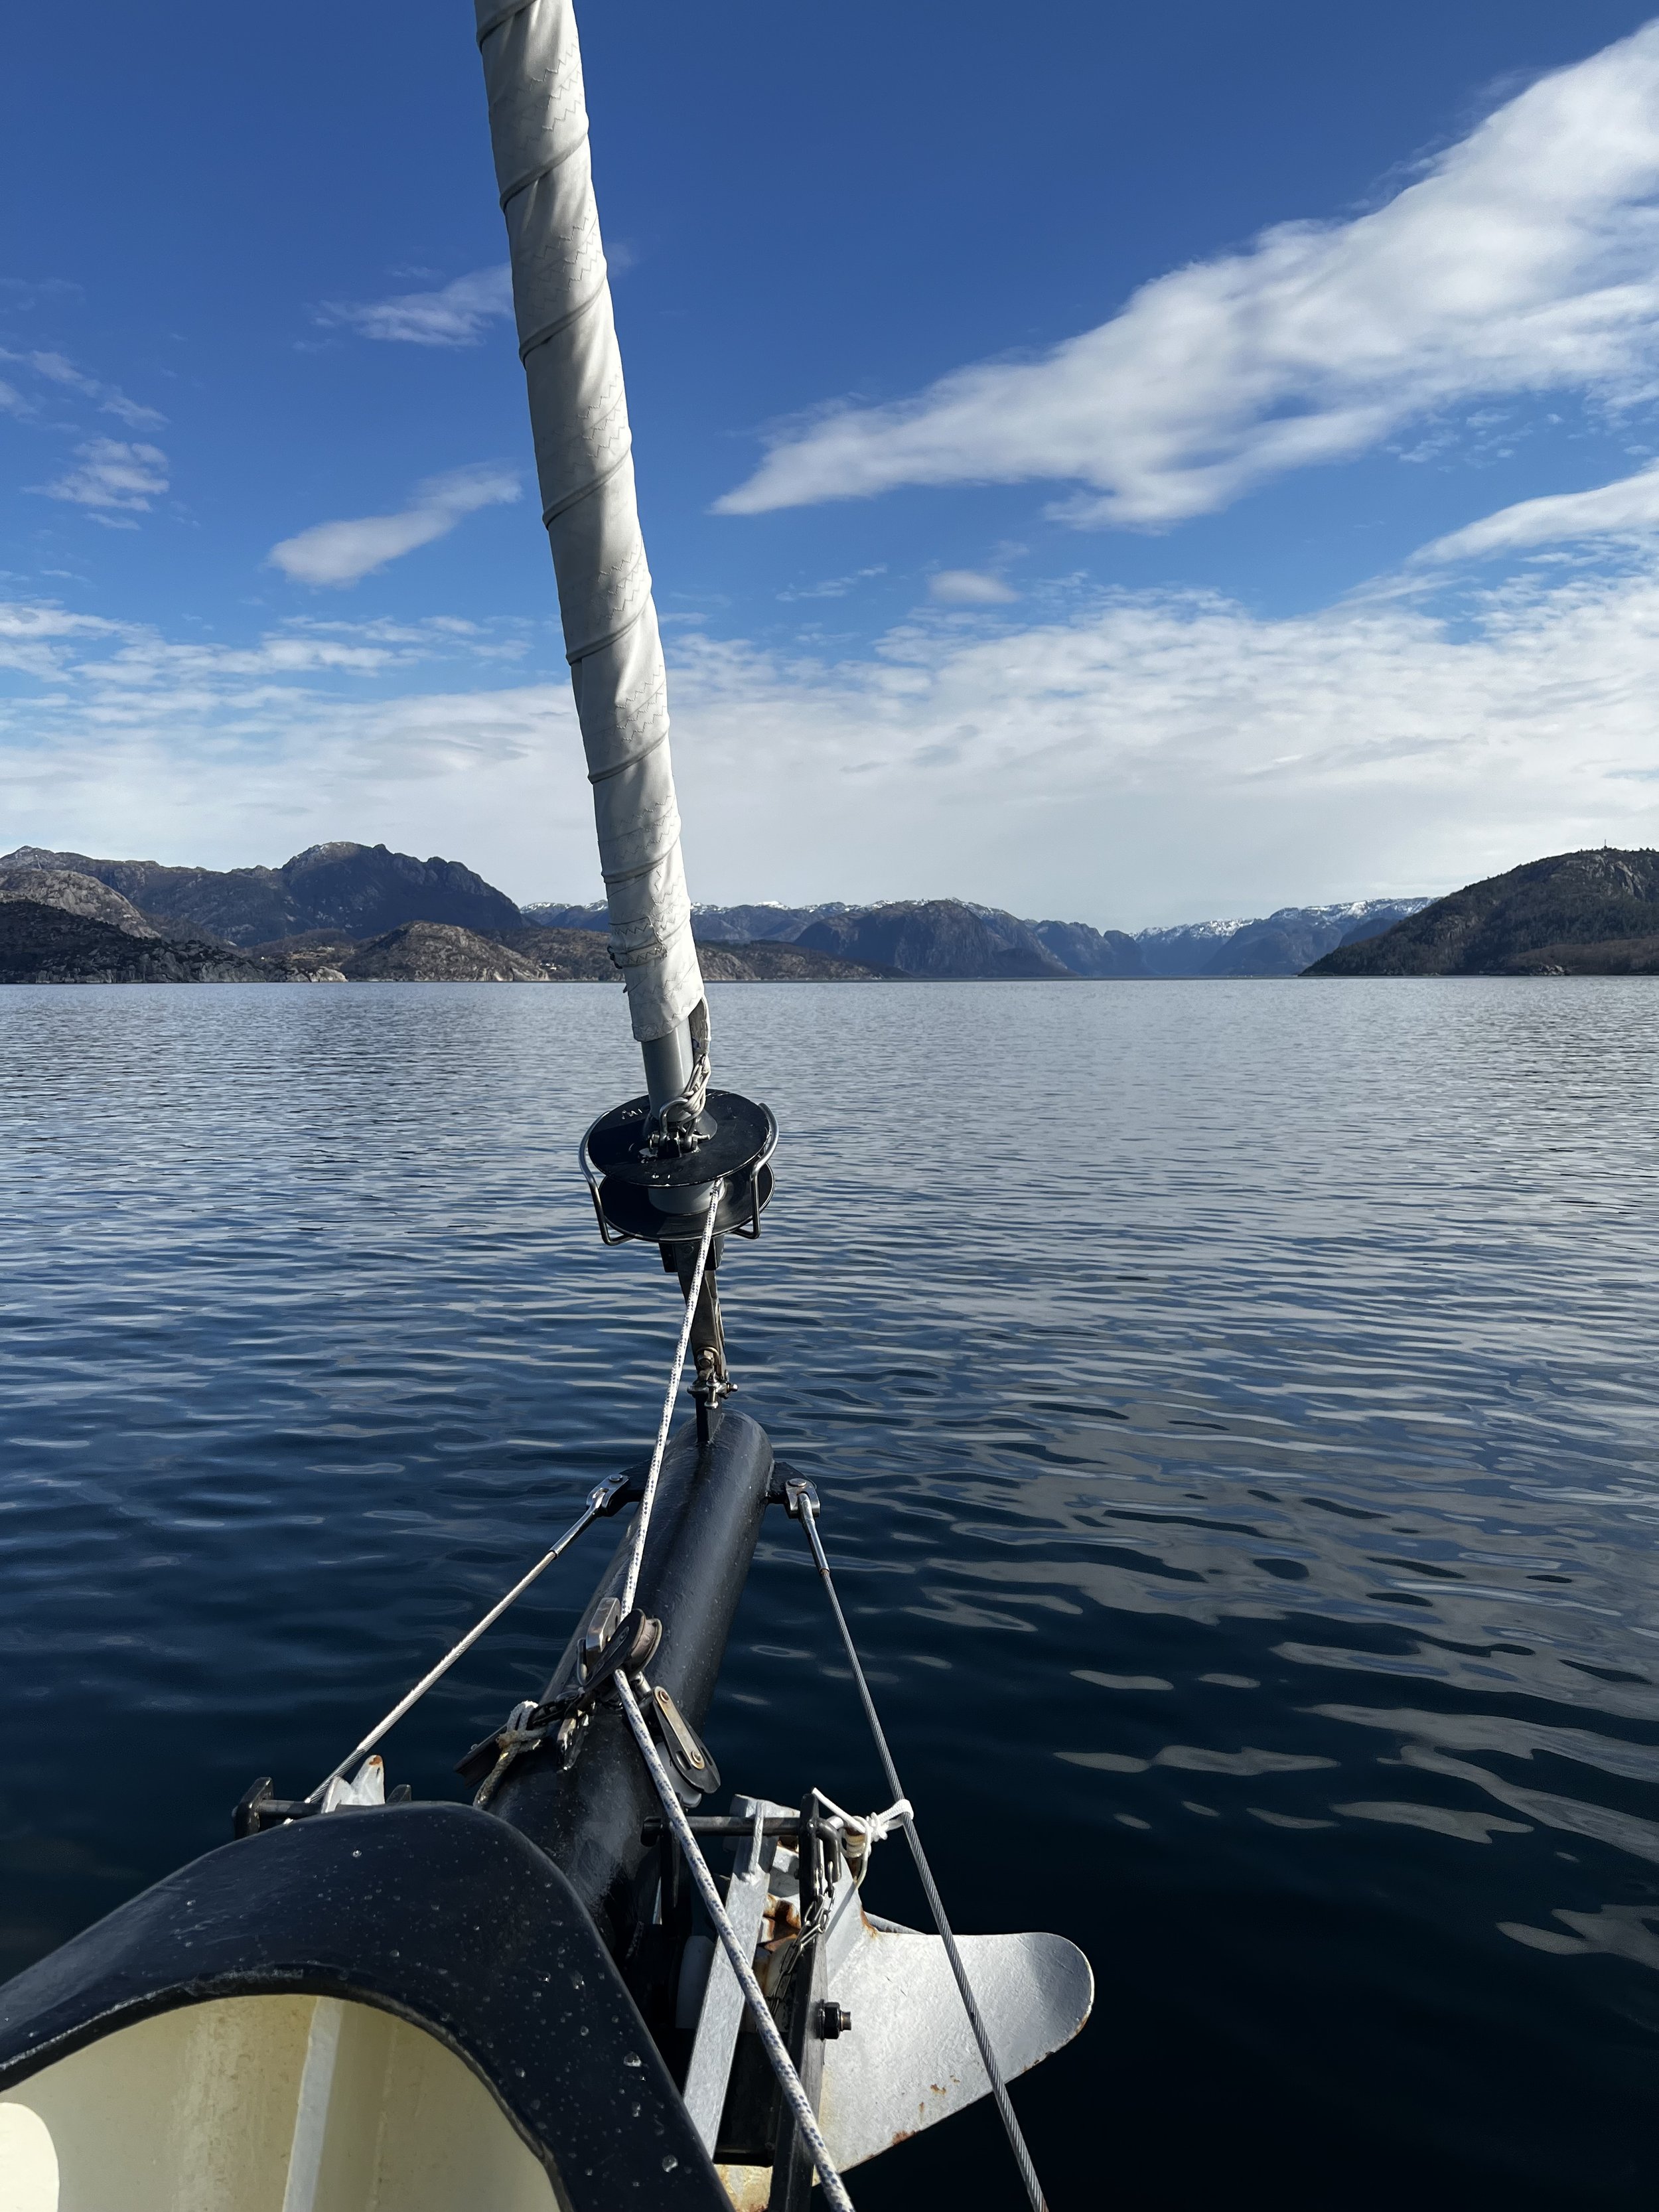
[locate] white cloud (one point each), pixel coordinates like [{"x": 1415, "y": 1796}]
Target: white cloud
[
  {"x": 57, "y": 368},
  {"x": 969, "y": 587},
  {"x": 343, "y": 552},
  {"x": 834, "y": 588},
  {"x": 12, "y": 401},
  {"x": 129, "y": 413},
  {"x": 455, "y": 315},
  {"x": 1148, "y": 758},
  {"x": 113, "y": 477},
  {"x": 1521, "y": 260},
  {"x": 39, "y": 641},
  {"x": 1615, "y": 510}
]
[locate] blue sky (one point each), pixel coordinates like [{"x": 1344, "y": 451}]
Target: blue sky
[{"x": 1090, "y": 457}]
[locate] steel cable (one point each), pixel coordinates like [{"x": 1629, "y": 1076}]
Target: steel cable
[
  {"x": 807, "y": 1513},
  {"x": 783, "y": 2066},
  {"x": 642, "y": 1520}
]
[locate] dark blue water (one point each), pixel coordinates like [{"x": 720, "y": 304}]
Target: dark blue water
[{"x": 1233, "y": 1406}]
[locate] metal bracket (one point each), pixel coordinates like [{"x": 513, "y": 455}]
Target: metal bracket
[
  {"x": 686, "y": 1752},
  {"x": 258, "y": 1809},
  {"x": 629, "y": 1646}
]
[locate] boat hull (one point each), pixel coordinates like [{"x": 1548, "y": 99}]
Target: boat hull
[{"x": 451, "y": 1921}]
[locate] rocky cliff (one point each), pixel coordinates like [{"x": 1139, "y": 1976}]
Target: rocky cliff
[
  {"x": 939, "y": 938},
  {"x": 50, "y": 944},
  {"x": 767, "y": 960},
  {"x": 1086, "y": 951},
  {"x": 71, "y": 893},
  {"x": 436, "y": 952},
  {"x": 1550, "y": 914}
]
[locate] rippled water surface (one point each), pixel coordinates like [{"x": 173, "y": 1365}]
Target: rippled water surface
[{"x": 1233, "y": 1407}]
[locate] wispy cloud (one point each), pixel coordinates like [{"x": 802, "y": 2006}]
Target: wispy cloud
[
  {"x": 343, "y": 552},
  {"x": 58, "y": 369},
  {"x": 115, "y": 480},
  {"x": 129, "y": 411},
  {"x": 833, "y": 587},
  {"x": 457, "y": 315},
  {"x": 47, "y": 642},
  {"x": 1148, "y": 757},
  {"x": 1521, "y": 260},
  {"x": 1615, "y": 510},
  {"x": 969, "y": 587}
]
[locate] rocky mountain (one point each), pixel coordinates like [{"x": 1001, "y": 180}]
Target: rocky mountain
[
  {"x": 942, "y": 938},
  {"x": 73, "y": 894},
  {"x": 934, "y": 938},
  {"x": 1614, "y": 956},
  {"x": 437, "y": 952},
  {"x": 769, "y": 961},
  {"x": 1574, "y": 913},
  {"x": 42, "y": 943},
  {"x": 582, "y": 955},
  {"x": 1279, "y": 944},
  {"x": 552, "y": 914},
  {"x": 1086, "y": 952},
  {"x": 357, "y": 891},
  {"x": 323, "y": 910},
  {"x": 762, "y": 922},
  {"x": 565, "y": 955}
]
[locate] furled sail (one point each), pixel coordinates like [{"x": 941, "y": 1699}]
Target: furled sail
[{"x": 579, "y": 416}]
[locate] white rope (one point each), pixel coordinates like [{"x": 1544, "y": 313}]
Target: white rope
[
  {"x": 1028, "y": 2173},
  {"x": 789, "y": 2080},
  {"x": 876, "y": 1827},
  {"x": 642, "y": 1520}
]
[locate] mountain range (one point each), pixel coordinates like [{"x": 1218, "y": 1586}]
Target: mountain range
[
  {"x": 348, "y": 894},
  {"x": 356, "y": 891},
  {"x": 941, "y": 938},
  {"x": 342, "y": 912}
]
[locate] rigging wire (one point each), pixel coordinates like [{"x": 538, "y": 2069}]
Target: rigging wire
[
  {"x": 789, "y": 2080},
  {"x": 643, "y": 1518},
  {"x": 804, "y": 1505},
  {"x": 783, "y": 2067},
  {"x": 598, "y": 1501}
]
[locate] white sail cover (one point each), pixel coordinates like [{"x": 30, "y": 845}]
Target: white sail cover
[{"x": 579, "y": 416}]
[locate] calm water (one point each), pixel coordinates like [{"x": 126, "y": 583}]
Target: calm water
[{"x": 1233, "y": 1407}]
